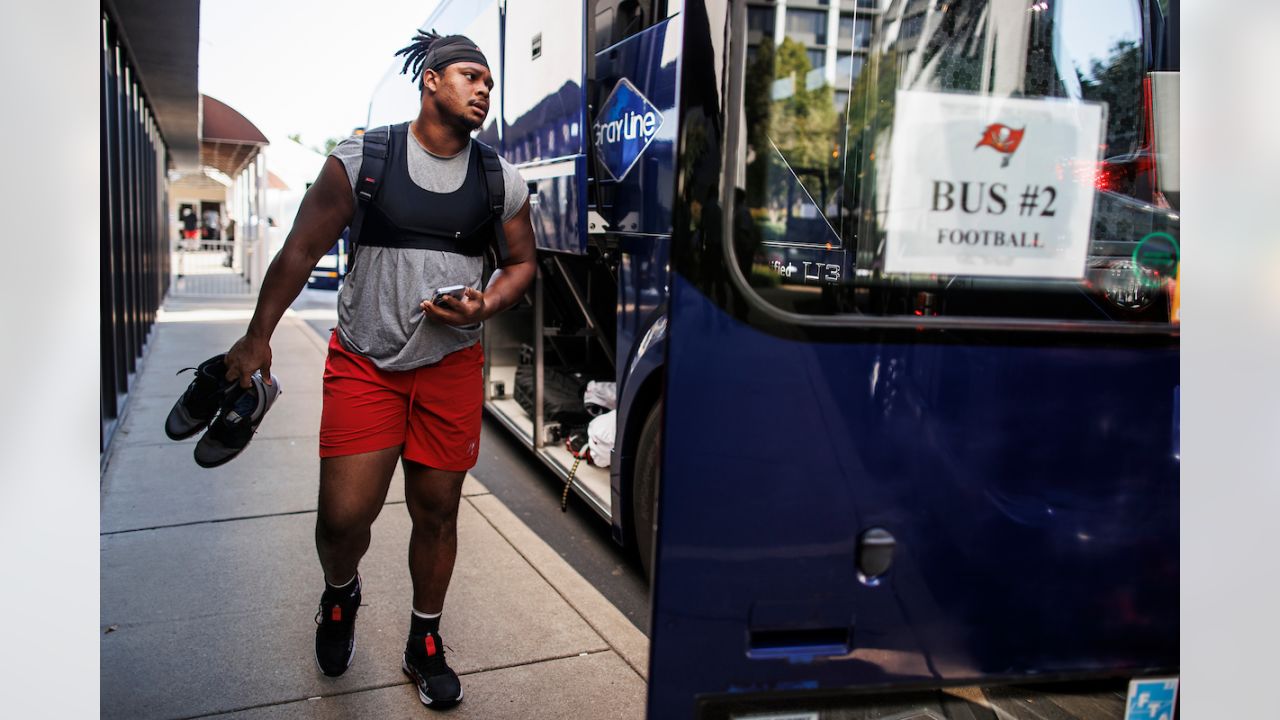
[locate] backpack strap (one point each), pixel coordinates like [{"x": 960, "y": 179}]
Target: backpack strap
[
  {"x": 373, "y": 163},
  {"x": 496, "y": 185}
]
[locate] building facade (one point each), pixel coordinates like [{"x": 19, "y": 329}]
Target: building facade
[
  {"x": 150, "y": 114},
  {"x": 836, "y": 35}
]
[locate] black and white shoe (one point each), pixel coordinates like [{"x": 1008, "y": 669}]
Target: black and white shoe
[
  {"x": 336, "y": 628},
  {"x": 238, "y": 418},
  {"x": 200, "y": 401},
  {"x": 438, "y": 684}
]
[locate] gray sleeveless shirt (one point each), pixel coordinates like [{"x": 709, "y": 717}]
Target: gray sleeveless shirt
[{"x": 378, "y": 307}]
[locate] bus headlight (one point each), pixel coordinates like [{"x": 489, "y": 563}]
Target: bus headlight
[{"x": 1127, "y": 285}]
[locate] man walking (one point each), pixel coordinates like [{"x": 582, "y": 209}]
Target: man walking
[
  {"x": 211, "y": 224},
  {"x": 189, "y": 224},
  {"x": 403, "y": 379}
]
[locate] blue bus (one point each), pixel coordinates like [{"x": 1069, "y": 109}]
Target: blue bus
[{"x": 889, "y": 292}]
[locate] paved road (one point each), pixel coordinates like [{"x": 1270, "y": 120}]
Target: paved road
[{"x": 532, "y": 492}]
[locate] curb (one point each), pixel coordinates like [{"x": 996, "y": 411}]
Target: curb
[{"x": 623, "y": 638}]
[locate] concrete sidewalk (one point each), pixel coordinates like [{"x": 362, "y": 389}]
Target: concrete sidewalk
[{"x": 210, "y": 579}]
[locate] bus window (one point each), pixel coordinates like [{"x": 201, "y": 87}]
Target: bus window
[{"x": 981, "y": 161}]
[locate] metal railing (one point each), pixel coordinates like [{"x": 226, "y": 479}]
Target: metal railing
[
  {"x": 134, "y": 227},
  {"x": 208, "y": 267}
]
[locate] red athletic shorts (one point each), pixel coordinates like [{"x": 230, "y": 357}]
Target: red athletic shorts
[{"x": 434, "y": 410}]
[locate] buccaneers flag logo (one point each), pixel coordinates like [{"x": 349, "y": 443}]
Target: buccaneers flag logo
[{"x": 1003, "y": 139}]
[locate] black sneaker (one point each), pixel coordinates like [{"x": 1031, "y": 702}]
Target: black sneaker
[
  {"x": 200, "y": 401},
  {"x": 438, "y": 685},
  {"x": 242, "y": 411},
  {"x": 336, "y": 629}
]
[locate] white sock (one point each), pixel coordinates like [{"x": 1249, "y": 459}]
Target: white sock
[
  {"x": 425, "y": 616},
  {"x": 343, "y": 585}
]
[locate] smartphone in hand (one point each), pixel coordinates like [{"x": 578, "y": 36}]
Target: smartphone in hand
[{"x": 454, "y": 291}]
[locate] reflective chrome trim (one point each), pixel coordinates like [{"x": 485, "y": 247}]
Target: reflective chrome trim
[{"x": 542, "y": 170}]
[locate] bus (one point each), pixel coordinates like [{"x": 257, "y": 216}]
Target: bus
[
  {"x": 332, "y": 266},
  {"x": 889, "y": 292}
]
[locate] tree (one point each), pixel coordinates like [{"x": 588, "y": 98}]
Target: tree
[
  {"x": 804, "y": 126},
  {"x": 329, "y": 144},
  {"x": 1117, "y": 81}
]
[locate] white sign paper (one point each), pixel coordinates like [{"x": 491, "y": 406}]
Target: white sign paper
[{"x": 991, "y": 186}]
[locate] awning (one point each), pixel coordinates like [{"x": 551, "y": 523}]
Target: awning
[{"x": 228, "y": 141}]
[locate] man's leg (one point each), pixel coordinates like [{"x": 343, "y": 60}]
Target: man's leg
[
  {"x": 432, "y": 496},
  {"x": 353, "y": 489},
  {"x": 444, "y": 432}
]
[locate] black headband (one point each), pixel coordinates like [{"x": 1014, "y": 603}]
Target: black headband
[{"x": 453, "y": 49}]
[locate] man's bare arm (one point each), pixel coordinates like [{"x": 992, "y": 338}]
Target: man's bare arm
[
  {"x": 510, "y": 282},
  {"x": 326, "y": 209},
  {"x": 507, "y": 285}
]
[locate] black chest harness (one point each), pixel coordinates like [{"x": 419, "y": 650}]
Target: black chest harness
[{"x": 393, "y": 211}]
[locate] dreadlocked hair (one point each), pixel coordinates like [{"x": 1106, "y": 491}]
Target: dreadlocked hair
[{"x": 415, "y": 53}]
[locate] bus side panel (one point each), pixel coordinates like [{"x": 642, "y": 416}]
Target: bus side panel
[
  {"x": 641, "y": 201},
  {"x": 637, "y": 210},
  {"x": 543, "y": 68},
  {"x": 557, "y": 208},
  {"x": 1032, "y": 491},
  {"x": 642, "y": 337},
  {"x": 545, "y": 116}
]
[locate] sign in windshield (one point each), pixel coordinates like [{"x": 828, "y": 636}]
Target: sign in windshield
[
  {"x": 973, "y": 162},
  {"x": 990, "y": 186}
]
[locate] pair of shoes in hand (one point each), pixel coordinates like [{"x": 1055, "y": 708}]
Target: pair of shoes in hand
[{"x": 230, "y": 413}]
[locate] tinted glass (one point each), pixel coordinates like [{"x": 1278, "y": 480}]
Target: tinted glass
[
  {"x": 855, "y": 29},
  {"x": 808, "y": 26},
  {"x": 760, "y": 20},
  {"x": 862, "y": 32},
  {"x": 821, "y": 229},
  {"x": 848, "y": 67}
]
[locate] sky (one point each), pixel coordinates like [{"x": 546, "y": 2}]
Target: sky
[
  {"x": 1092, "y": 29},
  {"x": 310, "y": 67},
  {"x": 306, "y": 67}
]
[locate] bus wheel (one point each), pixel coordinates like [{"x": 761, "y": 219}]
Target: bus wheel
[{"x": 644, "y": 487}]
